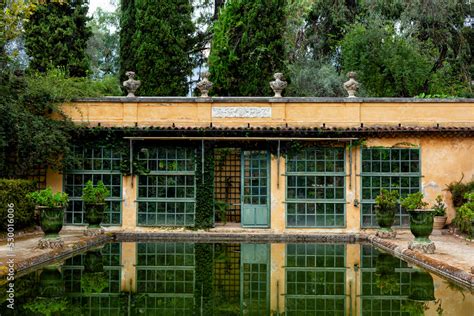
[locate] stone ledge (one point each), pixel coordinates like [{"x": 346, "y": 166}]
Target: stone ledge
[
  {"x": 123, "y": 99},
  {"x": 425, "y": 261}
]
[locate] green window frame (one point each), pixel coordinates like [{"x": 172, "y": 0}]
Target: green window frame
[
  {"x": 97, "y": 164},
  {"x": 315, "y": 279},
  {"x": 106, "y": 302},
  {"x": 390, "y": 168},
  {"x": 315, "y": 188},
  {"x": 165, "y": 272},
  {"x": 167, "y": 194},
  {"x": 373, "y": 300}
]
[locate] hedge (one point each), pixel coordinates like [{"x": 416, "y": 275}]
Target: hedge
[{"x": 15, "y": 191}]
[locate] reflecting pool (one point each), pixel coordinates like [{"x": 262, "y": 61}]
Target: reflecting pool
[{"x": 181, "y": 278}]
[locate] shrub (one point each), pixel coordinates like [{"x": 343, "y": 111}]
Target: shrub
[
  {"x": 15, "y": 191},
  {"x": 95, "y": 195},
  {"x": 439, "y": 207},
  {"x": 47, "y": 198},
  {"x": 386, "y": 200},
  {"x": 465, "y": 215},
  {"x": 458, "y": 191},
  {"x": 413, "y": 201}
]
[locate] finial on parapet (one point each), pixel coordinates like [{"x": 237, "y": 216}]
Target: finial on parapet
[
  {"x": 131, "y": 84},
  {"x": 278, "y": 85},
  {"x": 204, "y": 85},
  {"x": 351, "y": 85}
]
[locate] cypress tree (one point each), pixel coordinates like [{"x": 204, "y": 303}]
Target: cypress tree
[
  {"x": 127, "y": 30},
  {"x": 248, "y": 47},
  {"x": 162, "y": 46},
  {"x": 56, "y": 35}
]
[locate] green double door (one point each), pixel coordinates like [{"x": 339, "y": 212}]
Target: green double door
[{"x": 255, "y": 193}]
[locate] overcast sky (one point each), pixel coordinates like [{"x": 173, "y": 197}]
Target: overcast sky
[{"x": 103, "y": 4}]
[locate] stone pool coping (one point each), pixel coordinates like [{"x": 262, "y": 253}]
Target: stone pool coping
[
  {"x": 423, "y": 260},
  {"x": 71, "y": 248}
]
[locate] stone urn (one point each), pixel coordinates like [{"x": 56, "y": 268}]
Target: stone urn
[
  {"x": 385, "y": 218},
  {"x": 421, "y": 287},
  {"x": 278, "y": 85},
  {"x": 421, "y": 226},
  {"x": 51, "y": 221},
  {"x": 51, "y": 282},
  {"x": 94, "y": 278},
  {"x": 204, "y": 85},
  {"x": 94, "y": 213},
  {"x": 131, "y": 85},
  {"x": 351, "y": 85},
  {"x": 93, "y": 261}
]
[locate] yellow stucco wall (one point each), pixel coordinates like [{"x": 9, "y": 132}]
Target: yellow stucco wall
[{"x": 343, "y": 114}]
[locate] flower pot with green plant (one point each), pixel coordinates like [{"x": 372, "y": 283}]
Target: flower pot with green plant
[
  {"x": 440, "y": 213},
  {"x": 51, "y": 207},
  {"x": 421, "y": 221},
  {"x": 94, "y": 203},
  {"x": 385, "y": 208},
  {"x": 386, "y": 279}
]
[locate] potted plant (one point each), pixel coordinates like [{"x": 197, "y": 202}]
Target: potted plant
[
  {"x": 386, "y": 279},
  {"x": 421, "y": 221},
  {"x": 94, "y": 202},
  {"x": 51, "y": 206},
  {"x": 440, "y": 213},
  {"x": 385, "y": 209},
  {"x": 94, "y": 279}
]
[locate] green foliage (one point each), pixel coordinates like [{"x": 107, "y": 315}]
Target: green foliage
[
  {"x": 247, "y": 47},
  {"x": 413, "y": 201},
  {"x": 162, "y": 43},
  {"x": 56, "y": 36},
  {"x": 205, "y": 189},
  {"x": 47, "y": 198},
  {"x": 94, "y": 282},
  {"x": 458, "y": 190},
  {"x": 127, "y": 30},
  {"x": 95, "y": 195},
  {"x": 465, "y": 215},
  {"x": 204, "y": 277},
  {"x": 387, "y": 63},
  {"x": 15, "y": 191},
  {"x": 439, "y": 207},
  {"x": 47, "y": 306},
  {"x": 103, "y": 45},
  {"x": 386, "y": 200},
  {"x": 311, "y": 78},
  {"x": 221, "y": 209}
]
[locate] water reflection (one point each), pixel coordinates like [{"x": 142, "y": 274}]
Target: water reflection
[{"x": 177, "y": 278}]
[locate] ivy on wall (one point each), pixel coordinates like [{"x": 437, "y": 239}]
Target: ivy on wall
[
  {"x": 205, "y": 187},
  {"x": 203, "y": 289}
]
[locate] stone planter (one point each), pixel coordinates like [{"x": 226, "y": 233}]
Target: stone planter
[
  {"x": 51, "y": 221},
  {"x": 51, "y": 282},
  {"x": 93, "y": 261},
  {"x": 421, "y": 226},
  {"x": 439, "y": 222},
  {"x": 94, "y": 214},
  {"x": 421, "y": 287},
  {"x": 385, "y": 219}
]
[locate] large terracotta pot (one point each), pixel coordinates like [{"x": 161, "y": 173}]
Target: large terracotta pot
[
  {"x": 439, "y": 222},
  {"x": 94, "y": 214},
  {"x": 421, "y": 224},
  {"x": 51, "y": 221},
  {"x": 385, "y": 217}
]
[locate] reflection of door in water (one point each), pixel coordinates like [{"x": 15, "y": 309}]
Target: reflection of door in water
[
  {"x": 255, "y": 182},
  {"x": 254, "y": 279}
]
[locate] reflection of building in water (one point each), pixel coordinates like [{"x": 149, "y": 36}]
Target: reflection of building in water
[{"x": 177, "y": 278}]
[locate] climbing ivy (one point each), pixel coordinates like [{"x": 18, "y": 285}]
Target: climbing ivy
[
  {"x": 203, "y": 290},
  {"x": 205, "y": 188}
]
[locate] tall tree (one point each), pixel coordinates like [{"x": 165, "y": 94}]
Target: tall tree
[
  {"x": 103, "y": 46},
  {"x": 248, "y": 47},
  {"x": 57, "y": 35},
  {"x": 127, "y": 31},
  {"x": 162, "y": 44}
]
